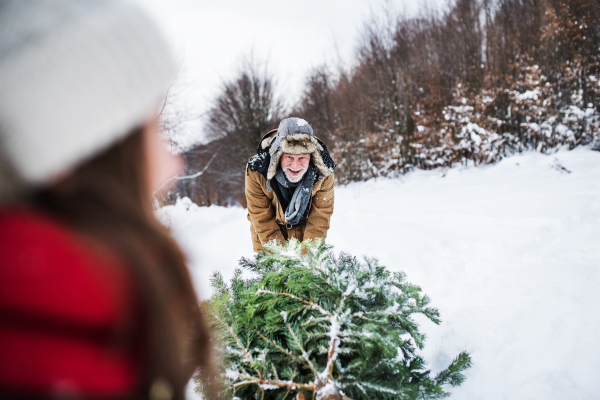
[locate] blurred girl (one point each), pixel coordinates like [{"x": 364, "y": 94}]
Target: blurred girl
[{"x": 95, "y": 298}]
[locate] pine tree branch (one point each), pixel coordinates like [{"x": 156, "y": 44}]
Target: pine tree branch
[
  {"x": 309, "y": 303},
  {"x": 296, "y": 309},
  {"x": 332, "y": 353},
  {"x": 239, "y": 343},
  {"x": 295, "y": 270},
  {"x": 313, "y": 319},
  {"x": 226, "y": 289},
  {"x": 322, "y": 271},
  {"x": 324, "y": 292},
  {"x": 346, "y": 294},
  {"x": 310, "y": 365},
  {"x": 365, "y": 319},
  {"x": 317, "y": 334},
  {"x": 386, "y": 311},
  {"x": 282, "y": 384},
  {"x": 381, "y": 388},
  {"x": 256, "y": 266},
  {"x": 358, "y": 385},
  {"x": 281, "y": 349},
  {"x": 323, "y": 279},
  {"x": 228, "y": 311}
]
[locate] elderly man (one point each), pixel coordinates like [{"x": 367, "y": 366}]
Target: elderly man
[{"x": 289, "y": 185}]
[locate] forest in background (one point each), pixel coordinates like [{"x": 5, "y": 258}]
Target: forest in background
[{"x": 468, "y": 85}]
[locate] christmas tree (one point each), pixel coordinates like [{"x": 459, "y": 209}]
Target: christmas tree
[{"x": 312, "y": 325}]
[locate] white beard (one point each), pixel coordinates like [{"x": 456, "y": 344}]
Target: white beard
[{"x": 296, "y": 179}]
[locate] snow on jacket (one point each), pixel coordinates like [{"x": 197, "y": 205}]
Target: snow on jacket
[
  {"x": 265, "y": 212},
  {"x": 70, "y": 314}
]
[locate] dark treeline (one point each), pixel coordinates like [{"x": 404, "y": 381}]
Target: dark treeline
[{"x": 472, "y": 84}]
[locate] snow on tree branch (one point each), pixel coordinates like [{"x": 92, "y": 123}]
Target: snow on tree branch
[{"x": 322, "y": 326}]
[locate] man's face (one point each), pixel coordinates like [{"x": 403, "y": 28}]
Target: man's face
[{"x": 294, "y": 165}]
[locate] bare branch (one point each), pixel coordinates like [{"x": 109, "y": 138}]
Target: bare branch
[{"x": 197, "y": 174}]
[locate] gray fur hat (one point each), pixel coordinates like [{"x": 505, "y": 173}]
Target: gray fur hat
[{"x": 294, "y": 136}]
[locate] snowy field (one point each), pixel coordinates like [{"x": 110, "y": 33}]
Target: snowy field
[{"x": 509, "y": 254}]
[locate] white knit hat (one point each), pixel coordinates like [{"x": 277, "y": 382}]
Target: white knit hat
[{"x": 75, "y": 77}]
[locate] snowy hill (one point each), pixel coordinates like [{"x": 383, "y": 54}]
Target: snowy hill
[{"x": 509, "y": 254}]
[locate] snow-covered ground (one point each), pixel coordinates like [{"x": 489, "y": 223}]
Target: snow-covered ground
[{"x": 509, "y": 254}]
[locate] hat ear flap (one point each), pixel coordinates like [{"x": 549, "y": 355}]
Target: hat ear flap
[
  {"x": 316, "y": 143},
  {"x": 267, "y": 142},
  {"x": 274, "y": 164},
  {"x": 320, "y": 166}
]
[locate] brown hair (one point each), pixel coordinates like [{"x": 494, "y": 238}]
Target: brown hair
[{"x": 107, "y": 200}]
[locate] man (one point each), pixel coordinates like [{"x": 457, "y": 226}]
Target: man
[{"x": 289, "y": 185}]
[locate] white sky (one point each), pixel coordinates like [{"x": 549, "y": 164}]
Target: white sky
[{"x": 211, "y": 37}]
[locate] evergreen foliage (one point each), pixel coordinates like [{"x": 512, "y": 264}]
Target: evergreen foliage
[{"x": 313, "y": 325}]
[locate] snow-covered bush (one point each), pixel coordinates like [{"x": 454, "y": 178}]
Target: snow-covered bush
[
  {"x": 448, "y": 88},
  {"x": 319, "y": 326},
  {"x": 529, "y": 114}
]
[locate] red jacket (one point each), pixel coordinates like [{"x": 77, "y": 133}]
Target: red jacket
[{"x": 70, "y": 321}]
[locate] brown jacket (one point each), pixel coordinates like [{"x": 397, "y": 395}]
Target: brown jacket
[{"x": 268, "y": 218}]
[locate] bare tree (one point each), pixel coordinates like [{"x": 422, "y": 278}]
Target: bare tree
[
  {"x": 245, "y": 109},
  {"x": 473, "y": 82},
  {"x": 470, "y": 83}
]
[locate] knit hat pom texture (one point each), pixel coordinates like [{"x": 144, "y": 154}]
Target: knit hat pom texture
[{"x": 75, "y": 77}]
